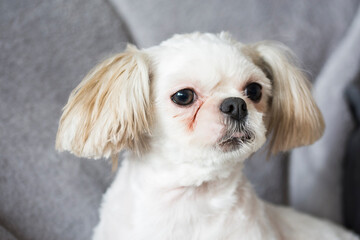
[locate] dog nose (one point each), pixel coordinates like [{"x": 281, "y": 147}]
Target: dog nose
[{"x": 234, "y": 107}]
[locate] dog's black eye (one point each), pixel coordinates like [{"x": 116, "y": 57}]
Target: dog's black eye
[
  {"x": 183, "y": 97},
  {"x": 253, "y": 91}
]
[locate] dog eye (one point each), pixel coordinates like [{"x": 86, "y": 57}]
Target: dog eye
[
  {"x": 183, "y": 97},
  {"x": 253, "y": 91}
]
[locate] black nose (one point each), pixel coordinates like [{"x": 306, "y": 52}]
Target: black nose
[{"x": 234, "y": 107}]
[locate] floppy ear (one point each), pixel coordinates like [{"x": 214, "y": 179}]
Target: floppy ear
[
  {"x": 109, "y": 110},
  {"x": 293, "y": 118}
]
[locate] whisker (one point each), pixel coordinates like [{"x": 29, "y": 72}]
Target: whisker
[{"x": 236, "y": 134}]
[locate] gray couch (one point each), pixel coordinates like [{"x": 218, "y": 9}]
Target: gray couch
[{"x": 46, "y": 47}]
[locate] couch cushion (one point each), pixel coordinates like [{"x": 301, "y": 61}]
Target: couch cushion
[{"x": 46, "y": 47}]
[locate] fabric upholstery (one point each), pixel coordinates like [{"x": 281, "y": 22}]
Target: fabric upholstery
[{"x": 316, "y": 171}]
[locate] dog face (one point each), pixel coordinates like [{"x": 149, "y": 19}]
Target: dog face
[
  {"x": 209, "y": 96},
  {"x": 199, "y": 94}
]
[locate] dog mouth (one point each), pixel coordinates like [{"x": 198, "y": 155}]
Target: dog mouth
[{"x": 232, "y": 142}]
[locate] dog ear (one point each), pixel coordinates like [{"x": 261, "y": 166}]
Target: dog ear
[
  {"x": 293, "y": 118},
  {"x": 109, "y": 110}
]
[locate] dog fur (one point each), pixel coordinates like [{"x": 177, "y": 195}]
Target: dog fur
[{"x": 181, "y": 177}]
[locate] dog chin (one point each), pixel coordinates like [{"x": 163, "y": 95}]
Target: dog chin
[{"x": 235, "y": 141}]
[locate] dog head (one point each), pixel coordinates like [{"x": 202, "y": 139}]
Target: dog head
[{"x": 203, "y": 94}]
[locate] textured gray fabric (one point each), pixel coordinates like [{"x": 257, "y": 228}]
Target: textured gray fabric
[
  {"x": 268, "y": 176},
  {"x": 311, "y": 28},
  {"x": 45, "y": 49},
  {"x": 5, "y": 235},
  {"x": 315, "y": 176}
]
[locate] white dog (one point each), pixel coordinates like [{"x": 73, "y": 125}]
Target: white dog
[{"x": 190, "y": 111}]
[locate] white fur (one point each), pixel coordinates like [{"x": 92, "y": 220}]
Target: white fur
[{"x": 179, "y": 183}]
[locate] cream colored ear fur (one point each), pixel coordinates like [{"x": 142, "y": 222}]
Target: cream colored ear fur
[
  {"x": 294, "y": 118},
  {"x": 109, "y": 110}
]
